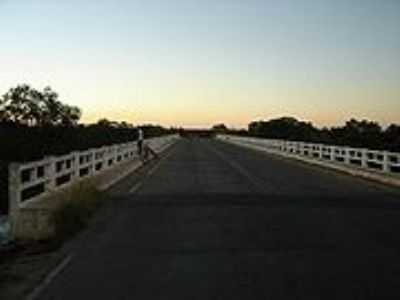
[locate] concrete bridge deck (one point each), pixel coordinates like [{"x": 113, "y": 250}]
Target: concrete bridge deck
[{"x": 215, "y": 221}]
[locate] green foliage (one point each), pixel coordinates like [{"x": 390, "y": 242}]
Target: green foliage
[
  {"x": 27, "y": 143},
  {"x": 76, "y": 210},
  {"x": 284, "y": 128},
  {"x": 362, "y": 134},
  {"x": 26, "y": 105},
  {"x": 154, "y": 130}
]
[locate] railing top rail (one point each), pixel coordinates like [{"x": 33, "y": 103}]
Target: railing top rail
[
  {"x": 76, "y": 164},
  {"x": 343, "y": 147}
]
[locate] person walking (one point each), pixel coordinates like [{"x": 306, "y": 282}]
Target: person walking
[
  {"x": 144, "y": 150},
  {"x": 148, "y": 150},
  {"x": 140, "y": 141}
]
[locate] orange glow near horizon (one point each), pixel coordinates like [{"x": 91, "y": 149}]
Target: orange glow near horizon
[{"x": 304, "y": 104}]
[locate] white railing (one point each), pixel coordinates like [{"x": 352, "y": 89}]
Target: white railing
[
  {"x": 381, "y": 161},
  {"x": 31, "y": 181}
]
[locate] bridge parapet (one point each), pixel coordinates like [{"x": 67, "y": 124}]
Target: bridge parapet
[
  {"x": 364, "y": 162},
  {"x": 30, "y": 183}
]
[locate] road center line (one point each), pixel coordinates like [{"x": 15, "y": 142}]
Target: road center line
[
  {"x": 257, "y": 183},
  {"x": 139, "y": 184}
]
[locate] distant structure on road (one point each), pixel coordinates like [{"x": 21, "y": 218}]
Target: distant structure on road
[{"x": 201, "y": 133}]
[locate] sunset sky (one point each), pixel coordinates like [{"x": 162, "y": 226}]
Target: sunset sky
[{"x": 197, "y": 63}]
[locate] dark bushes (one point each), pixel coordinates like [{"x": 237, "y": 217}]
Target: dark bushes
[
  {"x": 361, "y": 134},
  {"x": 23, "y": 143},
  {"x": 3, "y": 188},
  {"x": 77, "y": 207}
]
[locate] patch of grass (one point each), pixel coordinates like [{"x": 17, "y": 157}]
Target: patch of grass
[{"x": 75, "y": 210}]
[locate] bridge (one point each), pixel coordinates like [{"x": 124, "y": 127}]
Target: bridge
[{"x": 236, "y": 218}]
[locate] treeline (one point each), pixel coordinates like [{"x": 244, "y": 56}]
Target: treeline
[
  {"x": 355, "y": 133},
  {"x": 24, "y": 143}
]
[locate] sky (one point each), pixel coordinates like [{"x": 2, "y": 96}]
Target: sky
[{"x": 198, "y": 63}]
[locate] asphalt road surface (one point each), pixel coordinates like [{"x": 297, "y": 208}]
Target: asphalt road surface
[{"x": 215, "y": 221}]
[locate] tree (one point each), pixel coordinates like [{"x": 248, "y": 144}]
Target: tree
[
  {"x": 356, "y": 133},
  {"x": 284, "y": 128},
  {"x": 19, "y": 105},
  {"x": 107, "y": 123},
  {"x": 25, "y": 105},
  {"x": 392, "y": 138},
  {"x": 52, "y": 108},
  {"x": 55, "y": 112},
  {"x": 70, "y": 115}
]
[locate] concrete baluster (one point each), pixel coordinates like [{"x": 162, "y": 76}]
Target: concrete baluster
[
  {"x": 295, "y": 148},
  {"x": 116, "y": 149},
  {"x": 333, "y": 153},
  {"x": 320, "y": 152},
  {"x": 347, "y": 156},
  {"x": 14, "y": 194},
  {"x": 92, "y": 167},
  {"x": 104, "y": 156},
  {"x": 75, "y": 166},
  {"x": 386, "y": 162},
  {"x": 50, "y": 174},
  {"x": 364, "y": 158},
  {"x": 14, "y": 187}
]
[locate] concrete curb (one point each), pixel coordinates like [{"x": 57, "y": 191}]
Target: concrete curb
[{"x": 136, "y": 165}]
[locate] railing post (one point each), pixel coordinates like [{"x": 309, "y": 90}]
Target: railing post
[
  {"x": 117, "y": 152},
  {"x": 106, "y": 156},
  {"x": 14, "y": 188},
  {"x": 301, "y": 148},
  {"x": 347, "y": 155},
  {"x": 333, "y": 153},
  {"x": 50, "y": 174},
  {"x": 320, "y": 151},
  {"x": 386, "y": 162},
  {"x": 92, "y": 162},
  {"x": 364, "y": 158},
  {"x": 75, "y": 167},
  {"x": 309, "y": 149}
]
